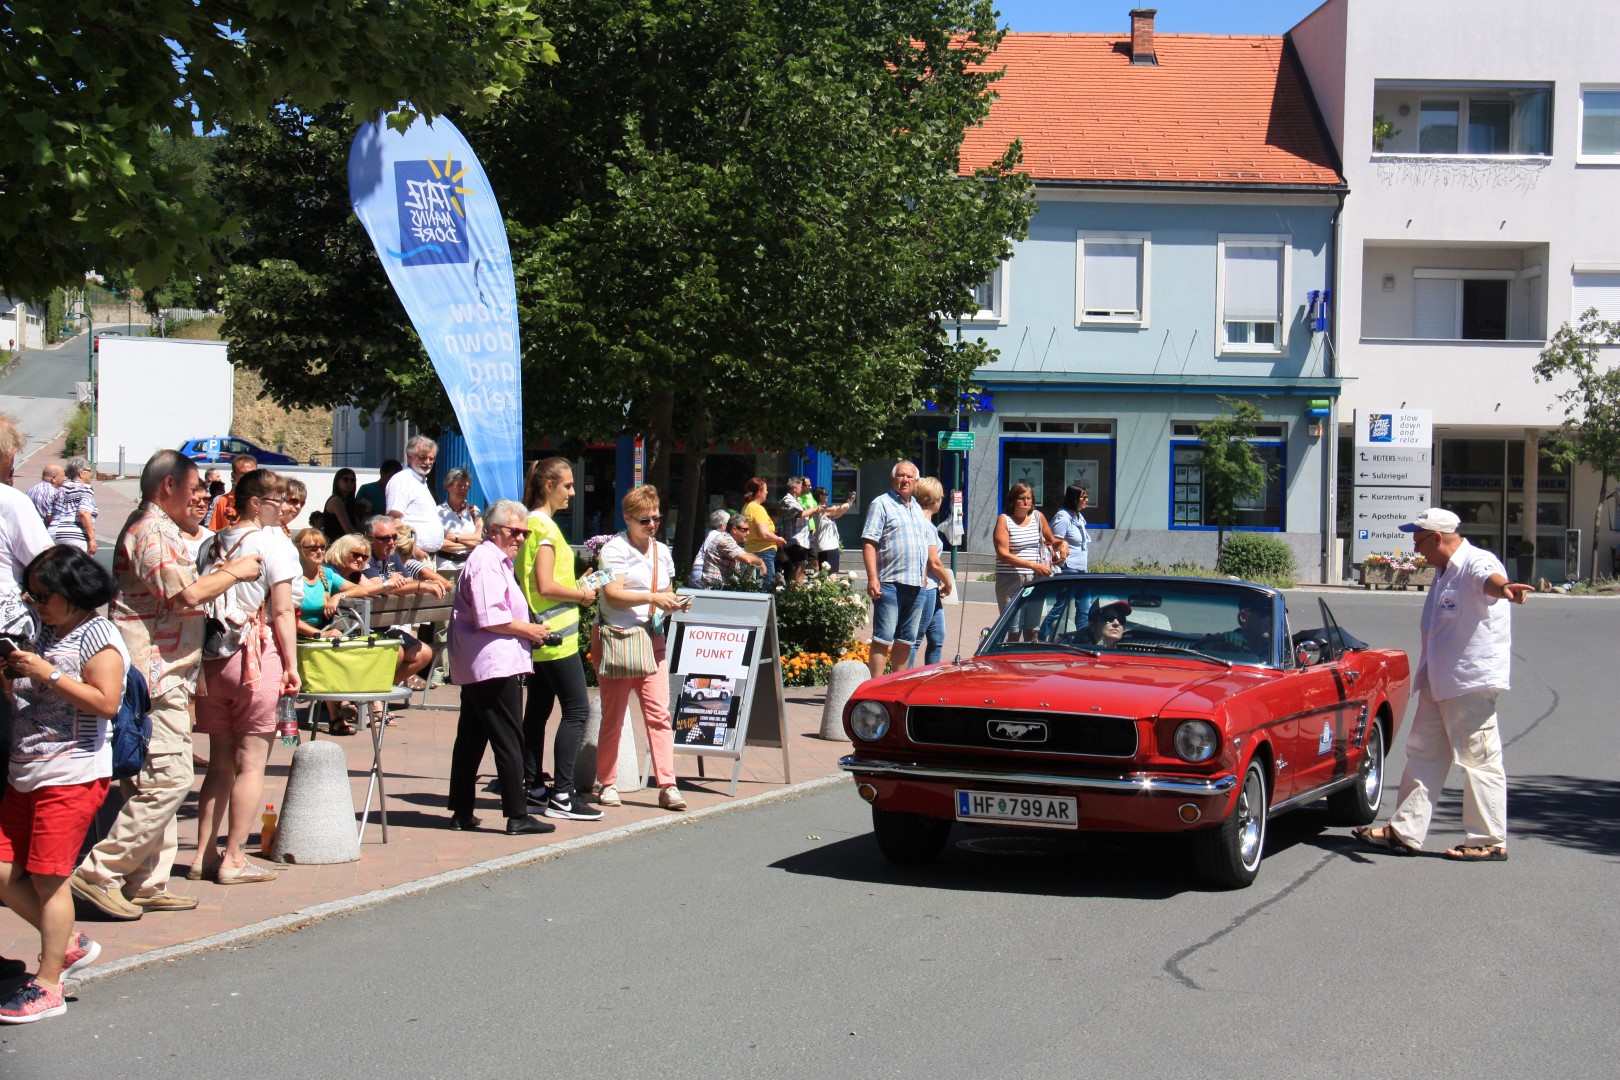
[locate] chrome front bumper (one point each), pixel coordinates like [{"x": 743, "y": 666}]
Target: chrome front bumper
[{"x": 1134, "y": 783}]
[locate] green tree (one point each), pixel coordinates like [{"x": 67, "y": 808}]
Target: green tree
[
  {"x": 1590, "y": 433},
  {"x": 1232, "y": 471},
  {"x": 730, "y": 219},
  {"x": 87, "y": 84}
]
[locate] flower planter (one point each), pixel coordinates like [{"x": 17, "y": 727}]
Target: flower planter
[{"x": 1387, "y": 577}]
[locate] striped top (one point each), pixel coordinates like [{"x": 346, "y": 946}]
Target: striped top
[
  {"x": 71, "y": 497},
  {"x": 1025, "y": 543}
]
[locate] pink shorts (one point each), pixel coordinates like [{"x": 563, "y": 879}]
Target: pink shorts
[
  {"x": 42, "y": 830},
  {"x": 228, "y": 707}
]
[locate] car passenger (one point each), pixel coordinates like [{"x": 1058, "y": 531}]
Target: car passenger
[{"x": 1107, "y": 623}]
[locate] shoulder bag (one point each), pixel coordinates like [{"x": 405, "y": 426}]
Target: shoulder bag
[
  {"x": 626, "y": 652},
  {"x": 226, "y": 625}
]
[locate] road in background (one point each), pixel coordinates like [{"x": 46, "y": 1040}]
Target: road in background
[
  {"x": 778, "y": 943},
  {"x": 39, "y": 391}
]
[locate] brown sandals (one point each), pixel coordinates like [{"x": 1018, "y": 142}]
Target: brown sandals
[
  {"x": 1477, "y": 853},
  {"x": 1384, "y": 838}
]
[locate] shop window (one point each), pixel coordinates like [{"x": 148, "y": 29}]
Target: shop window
[
  {"x": 1189, "y": 506},
  {"x": 1050, "y": 463}
]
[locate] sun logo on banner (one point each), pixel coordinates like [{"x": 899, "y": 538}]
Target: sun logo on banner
[{"x": 432, "y": 219}]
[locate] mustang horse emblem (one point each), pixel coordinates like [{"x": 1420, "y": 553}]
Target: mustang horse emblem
[{"x": 1008, "y": 731}]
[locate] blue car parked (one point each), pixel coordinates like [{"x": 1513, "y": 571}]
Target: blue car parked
[{"x": 226, "y": 447}]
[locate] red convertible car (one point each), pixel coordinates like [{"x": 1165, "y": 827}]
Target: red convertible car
[{"x": 1132, "y": 704}]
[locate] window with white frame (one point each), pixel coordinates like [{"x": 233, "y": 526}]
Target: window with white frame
[
  {"x": 1252, "y": 287},
  {"x": 1112, "y": 279},
  {"x": 1461, "y": 305},
  {"x": 1487, "y": 123},
  {"x": 1600, "y": 125},
  {"x": 991, "y": 297},
  {"x": 1596, "y": 287}
]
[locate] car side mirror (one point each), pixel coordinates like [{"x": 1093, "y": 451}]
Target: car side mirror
[
  {"x": 984, "y": 633},
  {"x": 1308, "y": 653}
]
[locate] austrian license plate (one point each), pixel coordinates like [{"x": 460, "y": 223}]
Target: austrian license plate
[{"x": 1045, "y": 811}]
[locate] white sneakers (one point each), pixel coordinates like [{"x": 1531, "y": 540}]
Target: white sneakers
[
  {"x": 670, "y": 799},
  {"x": 608, "y": 796}
]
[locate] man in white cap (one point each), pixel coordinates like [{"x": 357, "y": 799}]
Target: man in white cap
[{"x": 1467, "y": 643}]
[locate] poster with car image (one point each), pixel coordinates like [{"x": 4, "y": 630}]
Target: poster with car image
[{"x": 706, "y": 710}]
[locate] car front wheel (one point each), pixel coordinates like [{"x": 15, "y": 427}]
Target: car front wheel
[
  {"x": 909, "y": 839},
  {"x": 1358, "y": 804},
  {"x": 1228, "y": 856}
]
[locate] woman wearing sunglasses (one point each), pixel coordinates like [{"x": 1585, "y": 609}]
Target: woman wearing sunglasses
[
  {"x": 238, "y": 713},
  {"x": 641, "y": 594}
]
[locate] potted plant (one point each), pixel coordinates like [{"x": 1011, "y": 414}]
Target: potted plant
[
  {"x": 1383, "y": 131},
  {"x": 1399, "y": 570},
  {"x": 1524, "y": 561}
]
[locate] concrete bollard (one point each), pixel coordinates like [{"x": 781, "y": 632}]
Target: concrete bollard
[
  {"x": 317, "y": 811},
  {"x": 631, "y": 777},
  {"x": 846, "y": 677}
]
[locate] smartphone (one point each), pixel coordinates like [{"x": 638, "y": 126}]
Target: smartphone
[
  {"x": 7, "y": 647},
  {"x": 685, "y": 603}
]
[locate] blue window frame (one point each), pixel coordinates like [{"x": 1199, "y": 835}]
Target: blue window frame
[
  {"x": 1050, "y": 463},
  {"x": 1266, "y": 512}
]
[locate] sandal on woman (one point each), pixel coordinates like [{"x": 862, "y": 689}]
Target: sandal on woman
[
  {"x": 1477, "y": 853},
  {"x": 246, "y": 874},
  {"x": 201, "y": 871},
  {"x": 1384, "y": 838}
]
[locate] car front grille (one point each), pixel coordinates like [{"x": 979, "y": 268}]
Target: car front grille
[{"x": 1034, "y": 733}]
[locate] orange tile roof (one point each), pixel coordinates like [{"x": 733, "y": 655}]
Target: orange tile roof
[{"x": 1216, "y": 110}]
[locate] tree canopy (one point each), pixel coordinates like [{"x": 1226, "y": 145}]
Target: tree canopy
[
  {"x": 730, "y": 219},
  {"x": 91, "y": 86}
]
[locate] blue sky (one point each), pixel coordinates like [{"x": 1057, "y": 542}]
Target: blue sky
[{"x": 1175, "y": 16}]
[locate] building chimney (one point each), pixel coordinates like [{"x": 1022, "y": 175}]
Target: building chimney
[{"x": 1142, "y": 36}]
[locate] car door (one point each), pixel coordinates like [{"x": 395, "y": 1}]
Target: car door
[{"x": 1333, "y": 721}]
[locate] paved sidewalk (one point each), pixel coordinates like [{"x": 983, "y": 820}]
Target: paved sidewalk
[{"x": 416, "y": 755}]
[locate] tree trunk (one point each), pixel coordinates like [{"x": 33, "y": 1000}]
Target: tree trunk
[
  {"x": 658, "y": 440},
  {"x": 1597, "y": 523},
  {"x": 691, "y": 527}
]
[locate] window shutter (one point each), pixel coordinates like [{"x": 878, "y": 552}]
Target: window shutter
[
  {"x": 1253, "y": 283},
  {"x": 1113, "y": 278},
  {"x": 1434, "y": 308},
  {"x": 1601, "y": 291}
]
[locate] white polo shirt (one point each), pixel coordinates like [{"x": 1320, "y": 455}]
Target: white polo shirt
[
  {"x": 1467, "y": 635},
  {"x": 408, "y": 494}
]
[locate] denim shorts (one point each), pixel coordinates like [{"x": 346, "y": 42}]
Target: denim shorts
[{"x": 897, "y": 614}]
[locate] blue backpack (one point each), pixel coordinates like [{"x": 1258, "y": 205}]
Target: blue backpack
[{"x": 131, "y": 726}]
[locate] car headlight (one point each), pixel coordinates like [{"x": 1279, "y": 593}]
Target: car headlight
[
  {"x": 869, "y": 720},
  {"x": 1196, "y": 740}
]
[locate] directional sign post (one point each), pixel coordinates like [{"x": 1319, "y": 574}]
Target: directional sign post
[{"x": 1393, "y": 467}]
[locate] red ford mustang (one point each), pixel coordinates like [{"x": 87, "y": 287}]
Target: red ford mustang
[{"x": 1133, "y": 704}]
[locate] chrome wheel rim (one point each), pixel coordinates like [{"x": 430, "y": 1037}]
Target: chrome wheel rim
[
  {"x": 1251, "y": 819},
  {"x": 1372, "y": 768}
]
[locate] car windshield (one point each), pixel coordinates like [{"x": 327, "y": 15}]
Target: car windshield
[{"x": 1216, "y": 621}]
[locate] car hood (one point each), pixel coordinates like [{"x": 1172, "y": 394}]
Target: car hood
[{"x": 1114, "y": 685}]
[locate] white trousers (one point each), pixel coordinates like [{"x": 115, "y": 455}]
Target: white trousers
[{"x": 1462, "y": 730}]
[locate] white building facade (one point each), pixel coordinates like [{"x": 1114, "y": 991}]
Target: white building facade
[{"x": 1480, "y": 141}]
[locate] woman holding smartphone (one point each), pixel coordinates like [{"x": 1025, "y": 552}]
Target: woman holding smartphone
[
  {"x": 545, "y": 573},
  {"x": 641, "y": 594}
]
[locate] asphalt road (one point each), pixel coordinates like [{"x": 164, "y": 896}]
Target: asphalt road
[
  {"x": 776, "y": 942},
  {"x": 38, "y": 391}
]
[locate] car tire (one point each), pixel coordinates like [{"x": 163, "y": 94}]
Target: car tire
[
  {"x": 1359, "y": 803},
  {"x": 909, "y": 839},
  {"x": 1228, "y": 856}
]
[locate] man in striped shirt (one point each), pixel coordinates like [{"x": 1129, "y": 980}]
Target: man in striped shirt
[{"x": 900, "y": 548}]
